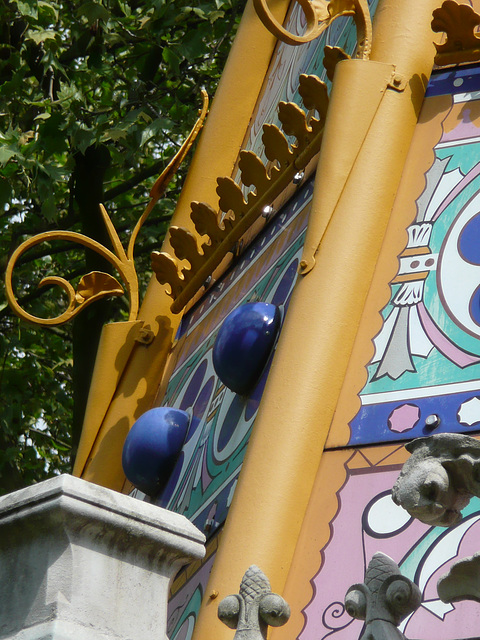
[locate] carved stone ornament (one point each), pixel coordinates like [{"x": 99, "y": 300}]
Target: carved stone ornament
[
  {"x": 462, "y": 582},
  {"x": 439, "y": 478},
  {"x": 253, "y": 608},
  {"x": 383, "y": 600}
]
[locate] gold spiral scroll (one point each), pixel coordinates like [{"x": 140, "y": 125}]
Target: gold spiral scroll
[
  {"x": 319, "y": 15},
  {"x": 97, "y": 284},
  {"x": 91, "y": 287}
]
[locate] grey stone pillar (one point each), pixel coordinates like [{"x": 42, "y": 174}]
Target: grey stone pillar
[{"x": 81, "y": 562}]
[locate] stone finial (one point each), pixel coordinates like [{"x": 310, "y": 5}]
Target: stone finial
[
  {"x": 254, "y": 607},
  {"x": 383, "y": 600},
  {"x": 439, "y": 478}
]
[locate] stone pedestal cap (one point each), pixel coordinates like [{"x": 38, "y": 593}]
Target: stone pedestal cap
[{"x": 78, "y": 561}]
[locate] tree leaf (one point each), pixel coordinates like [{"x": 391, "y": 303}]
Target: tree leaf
[
  {"x": 114, "y": 134},
  {"x": 6, "y": 154},
  {"x": 27, "y": 8},
  {"x": 172, "y": 59},
  {"x": 49, "y": 208},
  {"x": 5, "y": 191},
  {"x": 41, "y": 36},
  {"x": 82, "y": 139},
  {"x": 93, "y": 11},
  {"x": 120, "y": 74}
]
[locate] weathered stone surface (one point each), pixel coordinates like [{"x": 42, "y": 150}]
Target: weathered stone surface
[
  {"x": 439, "y": 478},
  {"x": 462, "y": 581},
  {"x": 383, "y": 600},
  {"x": 254, "y": 607},
  {"x": 81, "y": 562}
]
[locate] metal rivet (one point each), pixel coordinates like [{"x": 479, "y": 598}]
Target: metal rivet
[
  {"x": 298, "y": 177},
  {"x": 432, "y": 421},
  {"x": 214, "y": 594},
  {"x": 268, "y": 210}
]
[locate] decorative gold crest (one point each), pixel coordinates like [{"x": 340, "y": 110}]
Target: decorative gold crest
[
  {"x": 460, "y": 23},
  {"x": 222, "y": 231}
]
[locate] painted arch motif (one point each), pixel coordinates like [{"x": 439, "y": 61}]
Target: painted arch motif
[
  {"x": 365, "y": 520},
  {"x": 426, "y": 354}
]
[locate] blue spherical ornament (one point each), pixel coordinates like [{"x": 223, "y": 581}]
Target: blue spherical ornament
[
  {"x": 152, "y": 446},
  {"x": 244, "y": 343}
]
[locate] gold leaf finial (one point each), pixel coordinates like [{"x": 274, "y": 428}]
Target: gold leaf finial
[
  {"x": 224, "y": 234},
  {"x": 459, "y": 22}
]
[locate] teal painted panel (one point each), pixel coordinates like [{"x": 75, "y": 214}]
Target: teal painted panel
[
  {"x": 203, "y": 481},
  {"x": 427, "y": 354}
]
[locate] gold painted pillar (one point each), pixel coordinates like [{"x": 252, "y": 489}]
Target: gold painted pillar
[
  {"x": 121, "y": 392},
  {"x": 374, "y": 106}
]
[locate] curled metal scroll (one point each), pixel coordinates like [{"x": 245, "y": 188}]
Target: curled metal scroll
[
  {"x": 319, "y": 15},
  {"x": 96, "y": 284},
  {"x": 101, "y": 284}
]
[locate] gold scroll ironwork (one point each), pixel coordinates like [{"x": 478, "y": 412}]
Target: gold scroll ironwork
[
  {"x": 97, "y": 284},
  {"x": 221, "y": 233},
  {"x": 319, "y": 15},
  {"x": 460, "y": 23}
]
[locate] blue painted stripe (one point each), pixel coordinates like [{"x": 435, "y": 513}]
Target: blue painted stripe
[{"x": 451, "y": 81}]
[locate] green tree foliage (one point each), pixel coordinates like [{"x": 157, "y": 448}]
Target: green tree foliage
[{"x": 95, "y": 98}]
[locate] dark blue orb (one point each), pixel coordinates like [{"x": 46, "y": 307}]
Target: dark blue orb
[
  {"x": 152, "y": 446},
  {"x": 475, "y": 306},
  {"x": 244, "y": 343},
  {"x": 469, "y": 241}
]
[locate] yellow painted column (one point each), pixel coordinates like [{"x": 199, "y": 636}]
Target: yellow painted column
[
  {"x": 224, "y": 131},
  {"x": 231, "y": 111},
  {"x": 121, "y": 391},
  {"x": 320, "y": 328}
]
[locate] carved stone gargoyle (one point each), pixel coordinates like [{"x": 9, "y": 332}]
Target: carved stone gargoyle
[
  {"x": 439, "y": 478},
  {"x": 383, "y": 600}
]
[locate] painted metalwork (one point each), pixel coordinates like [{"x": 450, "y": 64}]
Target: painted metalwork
[
  {"x": 289, "y": 62},
  {"x": 319, "y": 16},
  {"x": 327, "y": 304},
  {"x": 187, "y": 592},
  {"x": 96, "y": 284},
  {"x": 254, "y": 608},
  {"x": 427, "y": 352},
  {"x": 434, "y": 485},
  {"x": 152, "y": 447},
  {"x": 460, "y": 24},
  {"x": 222, "y": 235},
  {"x": 205, "y": 477},
  {"x": 244, "y": 344},
  {"x": 350, "y": 518}
]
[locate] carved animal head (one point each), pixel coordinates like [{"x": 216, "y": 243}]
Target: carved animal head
[
  {"x": 439, "y": 478},
  {"x": 428, "y": 495}
]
